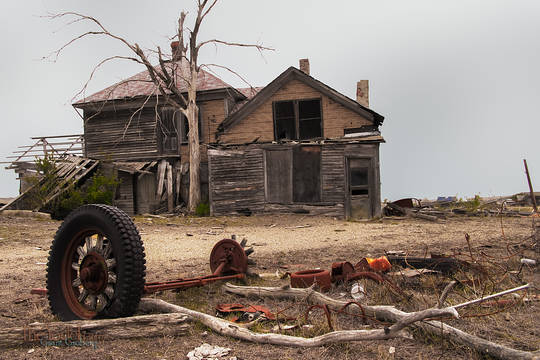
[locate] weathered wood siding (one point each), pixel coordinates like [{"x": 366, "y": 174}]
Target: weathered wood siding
[
  {"x": 124, "y": 193},
  {"x": 260, "y": 123},
  {"x": 116, "y": 135},
  {"x": 236, "y": 180}
]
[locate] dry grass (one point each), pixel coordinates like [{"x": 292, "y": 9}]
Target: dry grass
[{"x": 284, "y": 242}]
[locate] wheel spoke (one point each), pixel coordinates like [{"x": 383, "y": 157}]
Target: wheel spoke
[
  {"x": 83, "y": 296},
  {"x": 111, "y": 263},
  {"x": 81, "y": 252},
  {"x": 109, "y": 291},
  {"x": 112, "y": 278},
  {"x": 88, "y": 241},
  {"x": 107, "y": 250},
  {"x": 76, "y": 266},
  {"x": 93, "y": 302},
  {"x": 99, "y": 244},
  {"x": 101, "y": 303},
  {"x": 76, "y": 282}
]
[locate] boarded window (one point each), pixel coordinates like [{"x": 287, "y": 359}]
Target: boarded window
[
  {"x": 306, "y": 174},
  {"x": 293, "y": 175},
  {"x": 297, "y": 119}
]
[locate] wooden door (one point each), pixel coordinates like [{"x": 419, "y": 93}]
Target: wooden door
[
  {"x": 278, "y": 176},
  {"x": 360, "y": 179}
]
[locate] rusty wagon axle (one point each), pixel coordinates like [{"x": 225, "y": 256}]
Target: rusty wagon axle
[{"x": 97, "y": 266}]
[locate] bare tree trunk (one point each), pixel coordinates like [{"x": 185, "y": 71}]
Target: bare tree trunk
[
  {"x": 386, "y": 313},
  {"x": 194, "y": 149}
]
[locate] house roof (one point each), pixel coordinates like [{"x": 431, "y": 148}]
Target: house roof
[
  {"x": 293, "y": 73},
  {"x": 141, "y": 85}
]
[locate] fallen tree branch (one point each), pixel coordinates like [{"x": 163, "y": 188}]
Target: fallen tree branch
[
  {"x": 97, "y": 330},
  {"x": 386, "y": 313},
  {"x": 445, "y": 293},
  {"x": 227, "y": 328}
]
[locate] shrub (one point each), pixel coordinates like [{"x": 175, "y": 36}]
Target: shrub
[
  {"x": 99, "y": 189},
  {"x": 203, "y": 209}
]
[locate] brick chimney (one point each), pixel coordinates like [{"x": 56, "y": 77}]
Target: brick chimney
[
  {"x": 174, "y": 51},
  {"x": 304, "y": 66},
  {"x": 362, "y": 92}
]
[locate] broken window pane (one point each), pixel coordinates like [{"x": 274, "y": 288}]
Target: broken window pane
[
  {"x": 285, "y": 120},
  {"x": 304, "y": 115},
  {"x": 359, "y": 176}
]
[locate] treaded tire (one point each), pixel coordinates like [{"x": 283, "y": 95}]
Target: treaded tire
[{"x": 65, "y": 265}]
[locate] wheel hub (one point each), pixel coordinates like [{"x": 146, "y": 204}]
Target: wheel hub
[{"x": 93, "y": 273}]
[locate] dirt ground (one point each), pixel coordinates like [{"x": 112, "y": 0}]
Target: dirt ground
[{"x": 180, "y": 247}]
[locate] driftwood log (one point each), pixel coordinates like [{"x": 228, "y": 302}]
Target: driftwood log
[
  {"x": 97, "y": 330},
  {"x": 386, "y": 313}
]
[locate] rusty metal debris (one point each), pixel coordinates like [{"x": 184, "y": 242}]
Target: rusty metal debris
[
  {"x": 228, "y": 261},
  {"x": 306, "y": 278},
  {"x": 245, "y": 311}
]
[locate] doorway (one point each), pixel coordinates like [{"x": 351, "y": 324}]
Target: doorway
[{"x": 359, "y": 188}]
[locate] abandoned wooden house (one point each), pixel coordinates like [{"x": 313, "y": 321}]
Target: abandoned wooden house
[{"x": 295, "y": 145}]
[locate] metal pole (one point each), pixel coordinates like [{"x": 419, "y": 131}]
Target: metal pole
[{"x": 533, "y": 198}]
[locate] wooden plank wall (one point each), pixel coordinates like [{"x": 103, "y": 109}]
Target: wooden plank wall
[
  {"x": 236, "y": 180},
  {"x": 124, "y": 193},
  {"x": 106, "y": 136}
]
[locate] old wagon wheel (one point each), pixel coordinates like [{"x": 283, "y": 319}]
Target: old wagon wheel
[{"x": 96, "y": 265}]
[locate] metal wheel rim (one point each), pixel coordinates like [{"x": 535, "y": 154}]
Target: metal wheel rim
[{"x": 83, "y": 301}]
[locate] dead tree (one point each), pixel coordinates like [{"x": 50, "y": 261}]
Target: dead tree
[{"x": 179, "y": 68}]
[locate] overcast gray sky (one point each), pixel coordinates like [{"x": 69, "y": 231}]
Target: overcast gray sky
[{"x": 457, "y": 81}]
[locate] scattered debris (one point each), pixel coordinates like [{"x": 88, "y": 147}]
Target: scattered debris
[
  {"x": 358, "y": 292},
  {"x": 209, "y": 352},
  {"x": 412, "y": 273},
  {"x": 380, "y": 264},
  {"x": 528, "y": 261},
  {"x": 247, "y": 312},
  {"x": 306, "y": 278},
  {"x": 445, "y": 265}
]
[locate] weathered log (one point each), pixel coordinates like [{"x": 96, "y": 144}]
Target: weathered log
[
  {"x": 386, "y": 313},
  {"x": 96, "y": 330},
  {"x": 236, "y": 331}
]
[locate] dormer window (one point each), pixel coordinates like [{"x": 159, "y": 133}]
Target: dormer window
[{"x": 297, "y": 119}]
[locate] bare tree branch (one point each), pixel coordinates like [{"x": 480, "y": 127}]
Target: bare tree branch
[{"x": 217, "y": 41}]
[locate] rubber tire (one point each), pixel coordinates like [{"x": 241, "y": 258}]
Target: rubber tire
[{"x": 127, "y": 248}]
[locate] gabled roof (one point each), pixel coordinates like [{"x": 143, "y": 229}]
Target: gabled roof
[
  {"x": 141, "y": 85},
  {"x": 293, "y": 73}
]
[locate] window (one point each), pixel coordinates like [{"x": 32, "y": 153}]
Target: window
[
  {"x": 168, "y": 131},
  {"x": 170, "y": 122},
  {"x": 293, "y": 175},
  {"x": 185, "y": 128},
  {"x": 297, "y": 119},
  {"x": 359, "y": 176}
]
